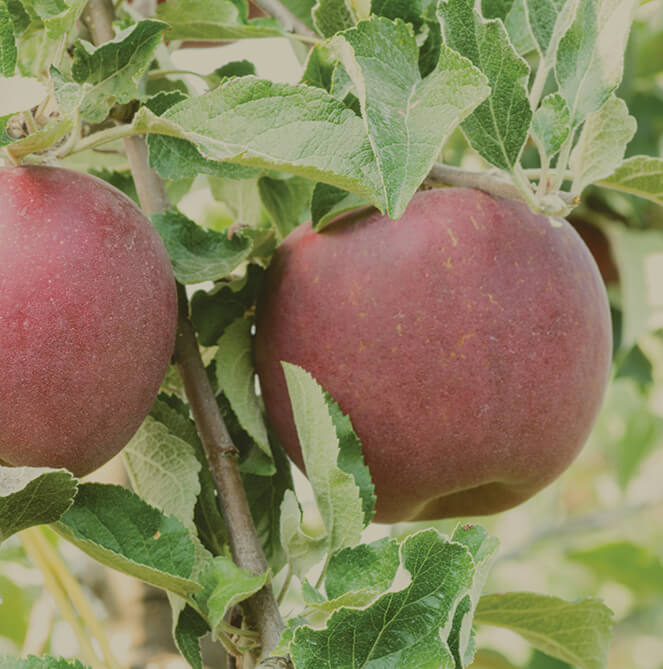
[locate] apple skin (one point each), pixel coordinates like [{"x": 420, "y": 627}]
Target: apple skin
[
  {"x": 469, "y": 342},
  {"x": 88, "y": 313}
]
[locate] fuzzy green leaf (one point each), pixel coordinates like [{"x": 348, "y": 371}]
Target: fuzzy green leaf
[
  {"x": 639, "y": 175},
  {"x": 602, "y": 143},
  {"x": 407, "y": 118},
  {"x": 590, "y": 59},
  {"x": 235, "y": 372},
  {"x": 114, "y": 68},
  {"x": 499, "y": 127},
  {"x": 551, "y": 125},
  {"x": 575, "y": 632},
  {"x": 302, "y": 550},
  {"x": 33, "y": 496},
  {"x": 8, "y": 50},
  {"x": 406, "y": 629},
  {"x": 212, "y": 20},
  {"x": 335, "y": 490}
]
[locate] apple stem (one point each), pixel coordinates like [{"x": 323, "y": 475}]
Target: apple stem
[{"x": 220, "y": 451}]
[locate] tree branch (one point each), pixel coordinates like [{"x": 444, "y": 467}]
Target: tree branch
[
  {"x": 285, "y": 17},
  {"x": 219, "y": 449}
]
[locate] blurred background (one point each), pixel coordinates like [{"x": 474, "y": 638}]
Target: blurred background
[{"x": 598, "y": 531}]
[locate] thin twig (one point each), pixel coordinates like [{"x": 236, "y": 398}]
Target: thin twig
[
  {"x": 219, "y": 449},
  {"x": 285, "y": 17}
]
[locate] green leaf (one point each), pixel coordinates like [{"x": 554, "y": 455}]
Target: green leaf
[
  {"x": 639, "y": 258},
  {"x": 189, "y": 629},
  {"x": 175, "y": 158},
  {"x": 549, "y": 20},
  {"x": 236, "y": 68},
  {"x": 319, "y": 68},
  {"x": 33, "y": 662},
  {"x": 332, "y": 16},
  {"x": 406, "y": 629},
  {"x": 639, "y": 175},
  {"x": 302, "y": 550},
  {"x": 33, "y": 496},
  {"x": 287, "y": 201},
  {"x": 59, "y": 17},
  {"x": 297, "y": 129},
  {"x": 329, "y": 202},
  {"x": 499, "y": 127},
  {"x": 367, "y": 569},
  {"x": 164, "y": 470},
  {"x": 551, "y": 125},
  {"x": 602, "y": 143},
  {"x": 336, "y": 491},
  {"x": 211, "y": 20},
  {"x": 635, "y": 567},
  {"x": 302, "y": 10},
  {"x": 241, "y": 198},
  {"x": 224, "y": 585},
  {"x": 8, "y": 50},
  {"x": 212, "y": 312},
  {"x": 114, "y": 68},
  {"x": 590, "y": 59},
  {"x": 351, "y": 459},
  {"x": 483, "y": 549},
  {"x": 576, "y": 632},
  {"x": 408, "y": 118},
  {"x": 235, "y": 371},
  {"x": 265, "y": 495},
  {"x": 117, "y": 528},
  {"x": 174, "y": 414},
  {"x": 514, "y": 15},
  {"x": 518, "y": 27},
  {"x": 198, "y": 254}
]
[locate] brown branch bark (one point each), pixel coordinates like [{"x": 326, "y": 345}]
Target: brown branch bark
[
  {"x": 285, "y": 17},
  {"x": 219, "y": 449}
]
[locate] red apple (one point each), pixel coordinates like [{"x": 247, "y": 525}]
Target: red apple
[
  {"x": 88, "y": 311},
  {"x": 469, "y": 342}
]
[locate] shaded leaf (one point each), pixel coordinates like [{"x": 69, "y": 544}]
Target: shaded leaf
[
  {"x": 198, "y": 254},
  {"x": 575, "y": 632},
  {"x": 33, "y": 496}
]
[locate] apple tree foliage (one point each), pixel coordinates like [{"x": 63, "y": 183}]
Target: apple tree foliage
[{"x": 538, "y": 93}]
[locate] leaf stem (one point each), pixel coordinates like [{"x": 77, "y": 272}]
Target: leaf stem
[
  {"x": 100, "y": 137},
  {"x": 155, "y": 74}
]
